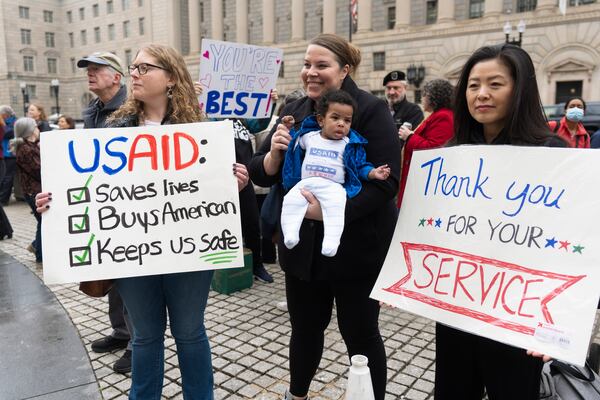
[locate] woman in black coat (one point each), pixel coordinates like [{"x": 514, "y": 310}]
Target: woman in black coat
[{"x": 314, "y": 282}]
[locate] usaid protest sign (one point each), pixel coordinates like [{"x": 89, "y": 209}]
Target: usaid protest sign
[
  {"x": 237, "y": 79},
  {"x": 139, "y": 201},
  {"x": 503, "y": 242}
]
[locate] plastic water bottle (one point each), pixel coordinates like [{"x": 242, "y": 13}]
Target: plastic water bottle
[{"x": 359, "y": 385}]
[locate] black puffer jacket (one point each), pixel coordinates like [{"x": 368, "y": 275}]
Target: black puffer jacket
[{"x": 370, "y": 216}]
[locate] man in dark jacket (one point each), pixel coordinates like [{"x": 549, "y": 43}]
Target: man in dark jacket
[
  {"x": 401, "y": 109},
  {"x": 6, "y": 184},
  {"x": 105, "y": 74}
]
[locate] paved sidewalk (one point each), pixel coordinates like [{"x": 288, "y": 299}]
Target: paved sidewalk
[{"x": 249, "y": 338}]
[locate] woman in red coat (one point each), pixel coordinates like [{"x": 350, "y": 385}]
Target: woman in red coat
[
  {"x": 570, "y": 127},
  {"x": 434, "y": 131}
]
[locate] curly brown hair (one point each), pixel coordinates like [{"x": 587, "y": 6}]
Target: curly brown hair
[{"x": 183, "y": 105}]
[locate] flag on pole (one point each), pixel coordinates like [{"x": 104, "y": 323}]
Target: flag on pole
[
  {"x": 562, "y": 6},
  {"x": 354, "y": 12}
]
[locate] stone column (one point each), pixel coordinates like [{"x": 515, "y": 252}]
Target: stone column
[
  {"x": 194, "y": 23},
  {"x": 297, "y": 20},
  {"x": 268, "y": 21},
  {"x": 445, "y": 11},
  {"x": 402, "y": 13},
  {"x": 329, "y": 16},
  {"x": 492, "y": 8},
  {"x": 364, "y": 16},
  {"x": 216, "y": 19},
  {"x": 241, "y": 21}
]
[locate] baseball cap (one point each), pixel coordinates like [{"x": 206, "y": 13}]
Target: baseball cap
[
  {"x": 394, "y": 76},
  {"x": 102, "y": 58}
]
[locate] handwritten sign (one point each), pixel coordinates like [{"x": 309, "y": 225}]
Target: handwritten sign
[
  {"x": 140, "y": 201},
  {"x": 237, "y": 79},
  {"x": 503, "y": 242}
]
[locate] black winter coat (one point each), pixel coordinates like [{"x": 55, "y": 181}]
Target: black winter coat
[{"x": 370, "y": 216}]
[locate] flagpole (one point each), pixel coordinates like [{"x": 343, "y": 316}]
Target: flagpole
[{"x": 350, "y": 21}]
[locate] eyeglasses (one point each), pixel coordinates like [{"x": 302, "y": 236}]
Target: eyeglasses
[{"x": 143, "y": 68}]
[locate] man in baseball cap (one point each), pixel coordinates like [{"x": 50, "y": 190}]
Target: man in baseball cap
[
  {"x": 105, "y": 80},
  {"x": 395, "y": 93}
]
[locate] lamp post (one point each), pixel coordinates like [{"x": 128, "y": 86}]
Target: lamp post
[
  {"x": 508, "y": 29},
  {"x": 55, "y": 86},
  {"x": 415, "y": 76},
  {"x": 23, "y": 87}
]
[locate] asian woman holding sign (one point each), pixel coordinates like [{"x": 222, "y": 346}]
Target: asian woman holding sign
[
  {"x": 162, "y": 93},
  {"x": 497, "y": 102}
]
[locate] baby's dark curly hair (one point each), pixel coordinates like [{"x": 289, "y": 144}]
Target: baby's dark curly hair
[
  {"x": 334, "y": 96},
  {"x": 440, "y": 93}
]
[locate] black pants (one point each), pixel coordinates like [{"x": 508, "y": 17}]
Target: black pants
[
  {"x": 6, "y": 183},
  {"x": 250, "y": 223},
  {"x": 466, "y": 364},
  {"x": 310, "y": 305}
]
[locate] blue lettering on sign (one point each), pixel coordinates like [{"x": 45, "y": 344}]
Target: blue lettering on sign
[
  {"x": 228, "y": 104},
  {"x": 539, "y": 194},
  {"x": 320, "y": 168},
  {"x": 324, "y": 153},
  {"x": 454, "y": 185}
]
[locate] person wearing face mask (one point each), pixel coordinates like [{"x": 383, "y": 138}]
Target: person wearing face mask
[{"x": 570, "y": 127}]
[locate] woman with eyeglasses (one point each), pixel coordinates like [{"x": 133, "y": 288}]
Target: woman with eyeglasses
[{"x": 162, "y": 93}]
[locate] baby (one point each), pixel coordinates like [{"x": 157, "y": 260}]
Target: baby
[{"x": 327, "y": 158}]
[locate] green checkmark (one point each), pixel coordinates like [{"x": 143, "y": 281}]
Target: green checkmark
[
  {"x": 84, "y": 257},
  {"x": 80, "y": 195},
  {"x": 82, "y": 226}
]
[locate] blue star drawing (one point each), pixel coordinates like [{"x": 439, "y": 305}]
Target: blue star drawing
[
  {"x": 550, "y": 242},
  {"x": 438, "y": 223}
]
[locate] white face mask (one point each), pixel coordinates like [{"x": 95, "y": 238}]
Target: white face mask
[{"x": 575, "y": 114}]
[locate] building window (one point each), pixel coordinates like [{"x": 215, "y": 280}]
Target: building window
[
  {"x": 391, "y": 17},
  {"x": 224, "y": 6},
  {"x": 82, "y": 13},
  {"x": 73, "y": 65},
  {"x": 281, "y": 70},
  {"x": 111, "y": 32},
  {"x": 110, "y": 7},
  {"x": 125, "y": 29},
  {"x": 125, "y": 4},
  {"x": 140, "y": 3},
  {"x": 31, "y": 91},
  {"x": 52, "y": 66},
  {"x": 48, "y": 16},
  {"x": 526, "y": 5},
  {"x": 71, "y": 40},
  {"x": 50, "y": 39},
  {"x": 575, "y": 3},
  {"x": 201, "y": 12},
  {"x": 28, "y": 63},
  {"x": 431, "y": 12},
  {"x": 83, "y": 37},
  {"x": 95, "y": 10},
  {"x": 476, "y": 8},
  {"x": 25, "y": 36},
  {"x": 141, "y": 26},
  {"x": 97, "y": 37},
  {"x": 128, "y": 58},
  {"x": 379, "y": 61},
  {"x": 69, "y": 17},
  {"x": 23, "y": 12}
]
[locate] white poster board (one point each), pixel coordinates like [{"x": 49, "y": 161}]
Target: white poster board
[
  {"x": 237, "y": 79},
  {"x": 139, "y": 201},
  {"x": 503, "y": 242}
]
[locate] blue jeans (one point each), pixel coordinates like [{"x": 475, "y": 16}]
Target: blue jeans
[{"x": 147, "y": 300}]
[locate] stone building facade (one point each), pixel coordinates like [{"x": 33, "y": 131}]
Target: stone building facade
[{"x": 40, "y": 40}]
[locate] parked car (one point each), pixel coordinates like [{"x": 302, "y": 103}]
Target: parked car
[{"x": 591, "y": 119}]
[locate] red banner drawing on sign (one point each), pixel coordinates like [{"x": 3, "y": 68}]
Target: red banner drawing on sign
[{"x": 505, "y": 276}]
